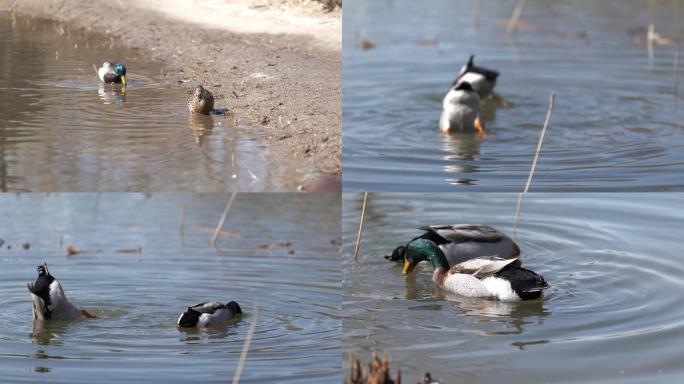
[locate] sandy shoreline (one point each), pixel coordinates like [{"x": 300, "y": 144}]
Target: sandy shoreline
[{"x": 286, "y": 81}]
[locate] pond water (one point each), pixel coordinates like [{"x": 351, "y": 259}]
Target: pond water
[
  {"x": 615, "y": 307},
  {"x": 61, "y": 130},
  {"x": 277, "y": 251},
  {"x": 617, "y": 124}
]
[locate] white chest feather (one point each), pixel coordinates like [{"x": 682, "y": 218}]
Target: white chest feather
[
  {"x": 500, "y": 289},
  {"x": 465, "y": 285},
  {"x": 470, "y": 286}
]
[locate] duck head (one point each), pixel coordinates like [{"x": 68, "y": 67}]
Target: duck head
[
  {"x": 198, "y": 92},
  {"x": 120, "y": 70},
  {"x": 423, "y": 250},
  {"x": 397, "y": 254}
]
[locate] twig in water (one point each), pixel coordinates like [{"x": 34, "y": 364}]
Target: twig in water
[
  {"x": 245, "y": 346},
  {"x": 212, "y": 242},
  {"x": 517, "y": 216},
  {"x": 181, "y": 219},
  {"x": 675, "y": 70},
  {"x": 650, "y": 35},
  {"x": 552, "y": 100},
  {"x": 515, "y": 17},
  {"x": 95, "y": 67},
  {"x": 358, "y": 236}
]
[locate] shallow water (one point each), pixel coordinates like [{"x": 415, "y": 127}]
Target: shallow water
[
  {"x": 61, "y": 130},
  {"x": 615, "y": 307},
  {"x": 278, "y": 251},
  {"x": 616, "y": 123}
]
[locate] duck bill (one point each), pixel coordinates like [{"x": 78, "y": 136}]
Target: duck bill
[
  {"x": 123, "y": 80},
  {"x": 408, "y": 267}
]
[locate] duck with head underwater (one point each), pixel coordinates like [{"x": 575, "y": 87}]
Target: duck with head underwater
[
  {"x": 481, "y": 79},
  {"x": 49, "y": 300},
  {"x": 462, "y": 242},
  {"x": 110, "y": 73},
  {"x": 461, "y": 110},
  {"x": 486, "y": 277},
  {"x": 209, "y": 314}
]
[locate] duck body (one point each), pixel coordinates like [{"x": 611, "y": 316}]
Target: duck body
[
  {"x": 111, "y": 73},
  {"x": 463, "y": 242},
  {"x": 484, "y": 277},
  {"x": 209, "y": 314},
  {"x": 461, "y": 110},
  {"x": 49, "y": 300},
  {"x": 200, "y": 101},
  {"x": 482, "y": 80}
]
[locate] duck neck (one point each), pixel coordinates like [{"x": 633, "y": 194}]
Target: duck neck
[{"x": 429, "y": 251}]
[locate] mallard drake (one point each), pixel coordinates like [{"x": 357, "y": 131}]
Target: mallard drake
[
  {"x": 482, "y": 80},
  {"x": 487, "y": 276},
  {"x": 49, "y": 300},
  {"x": 209, "y": 314},
  {"x": 461, "y": 110},
  {"x": 462, "y": 242},
  {"x": 200, "y": 101},
  {"x": 112, "y": 73}
]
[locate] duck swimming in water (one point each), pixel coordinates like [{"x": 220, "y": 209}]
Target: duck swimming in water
[
  {"x": 49, "y": 300},
  {"x": 462, "y": 242},
  {"x": 482, "y": 80},
  {"x": 461, "y": 110},
  {"x": 485, "y": 277},
  {"x": 209, "y": 314},
  {"x": 200, "y": 101},
  {"x": 112, "y": 73}
]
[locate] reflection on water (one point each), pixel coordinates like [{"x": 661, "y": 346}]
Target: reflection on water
[
  {"x": 612, "y": 260},
  {"x": 615, "y": 125},
  {"x": 110, "y": 95},
  {"x": 62, "y": 130},
  {"x": 277, "y": 251}
]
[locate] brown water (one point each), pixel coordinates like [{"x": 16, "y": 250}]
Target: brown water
[{"x": 61, "y": 130}]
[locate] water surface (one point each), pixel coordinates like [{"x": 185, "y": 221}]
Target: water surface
[
  {"x": 615, "y": 307},
  {"x": 61, "y": 130},
  {"x": 616, "y": 124},
  {"x": 140, "y": 269}
]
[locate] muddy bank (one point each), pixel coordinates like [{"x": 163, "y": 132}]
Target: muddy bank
[{"x": 286, "y": 81}]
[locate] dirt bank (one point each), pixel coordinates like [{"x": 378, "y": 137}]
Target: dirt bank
[{"x": 276, "y": 64}]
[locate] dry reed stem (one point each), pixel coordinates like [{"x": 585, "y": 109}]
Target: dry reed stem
[
  {"x": 675, "y": 72},
  {"x": 650, "y": 36},
  {"x": 358, "y": 235},
  {"x": 181, "y": 219},
  {"x": 212, "y": 242},
  {"x": 515, "y": 17},
  {"x": 552, "y": 99},
  {"x": 245, "y": 346}
]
